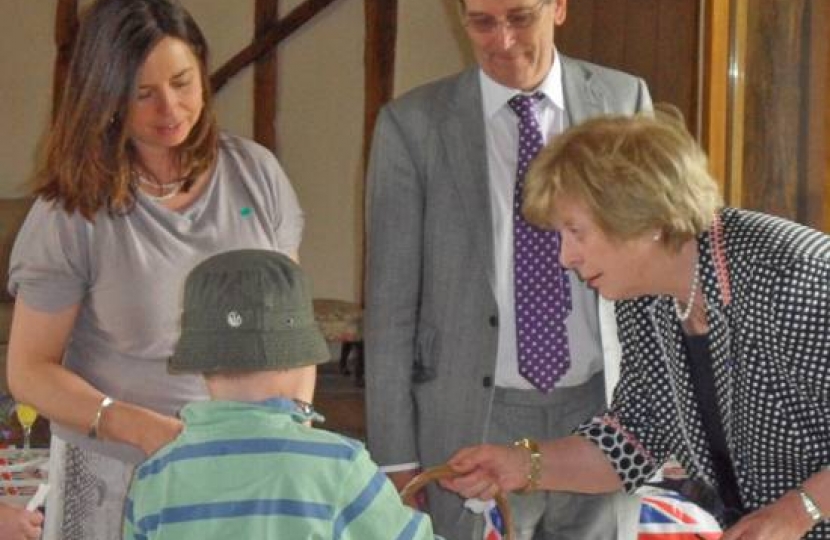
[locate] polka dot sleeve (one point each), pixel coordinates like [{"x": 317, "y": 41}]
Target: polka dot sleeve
[
  {"x": 633, "y": 463},
  {"x": 630, "y": 432}
]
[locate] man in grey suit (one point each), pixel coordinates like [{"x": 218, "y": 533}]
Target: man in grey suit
[{"x": 440, "y": 329}]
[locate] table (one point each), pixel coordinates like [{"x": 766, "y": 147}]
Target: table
[
  {"x": 342, "y": 322},
  {"x": 20, "y": 475}
]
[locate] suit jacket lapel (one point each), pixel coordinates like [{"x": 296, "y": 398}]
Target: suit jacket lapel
[
  {"x": 582, "y": 100},
  {"x": 463, "y": 139}
]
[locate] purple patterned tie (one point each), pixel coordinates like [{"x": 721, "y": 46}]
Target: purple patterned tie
[{"x": 542, "y": 290}]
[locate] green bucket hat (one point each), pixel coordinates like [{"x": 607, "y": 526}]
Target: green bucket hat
[{"x": 247, "y": 310}]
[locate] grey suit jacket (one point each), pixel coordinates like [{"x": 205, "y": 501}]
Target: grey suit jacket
[{"x": 431, "y": 315}]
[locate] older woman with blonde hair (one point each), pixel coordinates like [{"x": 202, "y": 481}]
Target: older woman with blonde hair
[{"x": 724, "y": 321}]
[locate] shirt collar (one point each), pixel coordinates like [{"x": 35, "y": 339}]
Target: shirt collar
[
  {"x": 496, "y": 96},
  {"x": 298, "y": 411}
]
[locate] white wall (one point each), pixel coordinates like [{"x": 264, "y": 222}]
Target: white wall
[
  {"x": 431, "y": 42},
  {"x": 320, "y": 105},
  {"x": 27, "y": 52}
]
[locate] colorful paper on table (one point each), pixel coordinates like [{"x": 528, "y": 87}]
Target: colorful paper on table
[{"x": 21, "y": 475}]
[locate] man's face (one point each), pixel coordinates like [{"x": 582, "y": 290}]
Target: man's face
[{"x": 513, "y": 39}]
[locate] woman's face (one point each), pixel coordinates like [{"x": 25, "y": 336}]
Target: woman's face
[
  {"x": 617, "y": 269},
  {"x": 168, "y": 98}
]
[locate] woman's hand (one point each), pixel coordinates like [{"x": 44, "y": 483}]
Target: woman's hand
[
  {"x": 785, "y": 519},
  {"x": 19, "y": 524},
  {"x": 487, "y": 470},
  {"x": 571, "y": 463},
  {"x": 143, "y": 428},
  {"x": 160, "y": 433}
]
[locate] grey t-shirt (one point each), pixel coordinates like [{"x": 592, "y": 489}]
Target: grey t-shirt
[{"x": 127, "y": 273}]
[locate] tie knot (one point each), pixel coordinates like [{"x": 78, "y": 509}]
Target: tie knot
[{"x": 522, "y": 104}]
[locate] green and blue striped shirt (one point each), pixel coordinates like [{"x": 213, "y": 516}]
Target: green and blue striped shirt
[{"x": 254, "y": 470}]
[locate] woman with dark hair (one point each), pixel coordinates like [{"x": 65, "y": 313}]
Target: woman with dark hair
[
  {"x": 137, "y": 186},
  {"x": 723, "y": 316}
]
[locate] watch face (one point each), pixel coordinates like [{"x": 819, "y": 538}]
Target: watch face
[
  {"x": 810, "y": 505},
  {"x": 304, "y": 407}
]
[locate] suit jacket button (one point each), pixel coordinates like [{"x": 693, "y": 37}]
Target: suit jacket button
[
  {"x": 487, "y": 381},
  {"x": 494, "y": 321}
]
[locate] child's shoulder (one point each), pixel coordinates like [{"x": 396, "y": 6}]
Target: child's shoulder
[
  {"x": 331, "y": 437},
  {"x": 324, "y": 443}
]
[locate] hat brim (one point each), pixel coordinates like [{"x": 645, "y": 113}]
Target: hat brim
[{"x": 252, "y": 350}]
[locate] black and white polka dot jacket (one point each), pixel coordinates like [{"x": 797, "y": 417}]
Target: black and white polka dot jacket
[{"x": 767, "y": 287}]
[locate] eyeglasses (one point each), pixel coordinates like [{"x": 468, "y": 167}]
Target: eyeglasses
[{"x": 517, "y": 20}]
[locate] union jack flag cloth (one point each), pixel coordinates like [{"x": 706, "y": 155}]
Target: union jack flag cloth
[
  {"x": 493, "y": 523},
  {"x": 665, "y": 515},
  {"x": 494, "y": 528}
]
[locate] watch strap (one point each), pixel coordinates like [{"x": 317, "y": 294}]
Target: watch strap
[{"x": 810, "y": 505}]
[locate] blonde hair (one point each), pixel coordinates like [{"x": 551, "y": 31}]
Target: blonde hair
[{"x": 635, "y": 174}]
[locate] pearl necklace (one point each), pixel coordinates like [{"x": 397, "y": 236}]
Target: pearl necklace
[
  {"x": 683, "y": 314},
  {"x": 168, "y": 190}
]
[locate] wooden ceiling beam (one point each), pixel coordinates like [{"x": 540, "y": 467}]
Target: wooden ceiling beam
[
  {"x": 379, "y": 62},
  {"x": 266, "y": 13},
  {"x": 270, "y": 38}
]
